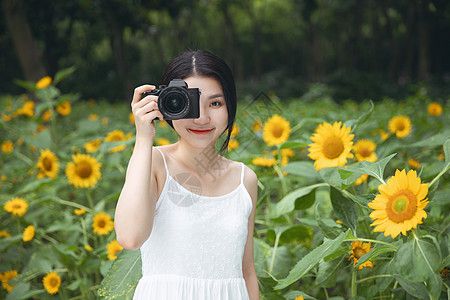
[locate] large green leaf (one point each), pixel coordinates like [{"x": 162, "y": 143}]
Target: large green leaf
[
  {"x": 354, "y": 124},
  {"x": 302, "y": 168},
  {"x": 447, "y": 151},
  {"x": 375, "y": 169},
  {"x": 328, "y": 272},
  {"x": 288, "y": 203},
  {"x": 419, "y": 260},
  {"x": 344, "y": 208},
  {"x": 416, "y": 289},
  {"x": 433, "y": 141},
  {"x": 310, "y": 260},
  {"x": 289, "y": 234},
  {"x": 123, "y": 276}
]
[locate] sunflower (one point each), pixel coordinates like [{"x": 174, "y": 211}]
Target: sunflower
[
  {"x": 434, "y": 109},
  {"x": 28, "y": 233},
  {"x": 233, "y": 144},
  {"x": 84, "y": 171},
  {"x": 48, "y": 164},
  {"x": 257, "y": 125},
  {"x": 4, "y": 233},
  {"x": 235, "y": 130},
  {"x": 299, "y": 298},
  {"x": 52, "y": 282},
  {"x": 364, "y": 150},
  {"x": 113, "y": 247},
  {"x": 399, "y": 206},
  {"x": 27, "y": 109},
  {"x": 400, "y": 126},
  {"x": 264, "y": 161},
  {"x": 64, "y": 108},
  {"x": 6, "y": 277},
  {"x": 117, "y": 135},
  {"x": 131, "y": 118},
  {"x": 162, "y": 141},
  {"x": 103, "y": 224},
  {"x": 358, "y": 250},
  {"x": 93, "y": 145},
  {"x": 93, "y": 117},
  {"x": 332, "y": 145},
  {"x": 88, "y": 248},
  {"x": 79, "y": 212},
  {"x": 44, "y": 82},
  {"x": 276, "y": 130},
  {"x": 7, "y": 147},
  {"x": 413, "y": 163},
  {"x": 47, "y": 115},
  {"x": 361, "y": 179},
  {"x": 16, "y": 206}
]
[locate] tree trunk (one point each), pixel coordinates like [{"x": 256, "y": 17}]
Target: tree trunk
[{"x": 28, "y": 54}]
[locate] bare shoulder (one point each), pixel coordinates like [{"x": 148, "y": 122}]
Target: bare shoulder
[
  {"x": 158, "y": 169},
  {"x": 251, "y": 183}
]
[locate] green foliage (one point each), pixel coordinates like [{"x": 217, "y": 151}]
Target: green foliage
[{"x": 306, "y": 219}]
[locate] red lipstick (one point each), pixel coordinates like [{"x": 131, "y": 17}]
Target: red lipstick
[{"x": 200, "y": 131}]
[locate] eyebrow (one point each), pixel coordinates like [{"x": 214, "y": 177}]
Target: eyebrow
[{"x": 216, "y": 96}]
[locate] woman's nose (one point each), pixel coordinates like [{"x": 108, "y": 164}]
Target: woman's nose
[{"x": 203, "y": 117}]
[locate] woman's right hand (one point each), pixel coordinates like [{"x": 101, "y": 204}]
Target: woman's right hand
[{"x": 145, "y": 110}]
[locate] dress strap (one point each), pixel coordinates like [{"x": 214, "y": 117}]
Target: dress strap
[
  {"x": 242, "y": 173},
  {"x": 164, "y": 159}
]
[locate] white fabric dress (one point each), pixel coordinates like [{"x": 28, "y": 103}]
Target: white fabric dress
[{"x": 196, "y": 247}]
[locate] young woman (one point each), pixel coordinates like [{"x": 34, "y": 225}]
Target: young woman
[{"x": 190, "y": 210}]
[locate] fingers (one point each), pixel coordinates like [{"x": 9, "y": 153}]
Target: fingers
[{"x": 138, "y": 92}]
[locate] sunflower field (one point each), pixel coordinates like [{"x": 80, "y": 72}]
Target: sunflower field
[{"x": 353, "y": 200}]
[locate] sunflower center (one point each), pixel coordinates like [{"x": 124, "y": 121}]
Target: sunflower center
[
  {"x": 84, "y": 170},
  {"x": 54, "y": 282},
  {"x": 101, "y": 223},
  {"x": 402, "y": 206},
  {"x": 47, "y": 163},
  {"x": 358, "y": 252},
  {"x": 364, "y": 152},
  {"x": 400, "y": 126},
  {"x": 333, "y": 147},
  {"x": 17, "y": 206},
  {"x": 277, "y": 131}
]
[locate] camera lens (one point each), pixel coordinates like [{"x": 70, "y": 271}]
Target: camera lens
[{"x": 174, "y": 103}]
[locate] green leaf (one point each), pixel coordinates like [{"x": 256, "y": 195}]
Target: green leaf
[
  {"x": 354, "y": 124},
  {"x": 329, "y": 227},
  {"x": 446, "y": 147},
  {"x": 302, "y": 169},
  {"x": 375, "y": 169},
  {"x": 416, "y": 289},
  {"x": 328, "y": 272},
  {"x": 288, "y": 203},
  {"x": 344, "y": 208},
  {"x": 433, "y": 141},
  {"x": 372, "y": 254},
  {"x": 289, "y": 234},
  {"x": 310, "y": 260},
  {"x": 292, "y": 144},
  {"x": 60, "y": 75},
  {"x": 123, "y": 276}
]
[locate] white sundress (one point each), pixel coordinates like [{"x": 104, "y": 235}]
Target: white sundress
[{"x": 196, "y": 247}]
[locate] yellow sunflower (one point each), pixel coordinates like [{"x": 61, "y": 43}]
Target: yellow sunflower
[
  {"x": 434, "y": 109},
  {"x": 364, "y": 150},
  {"x": 47, "y": 115},
  {"x": 131, "y": 118},
  {"x": 117, "y": 135},
  {"x": 400, "y": 126},
  {"x": 299, "y": 298},
  {"x": 79, "y": 212},
  {"x": 4, "y": 233},
  {"x": 413, "y": 163},
  {"x": 88, "y": 248},
  {"x": 93, "y": 117},
  {"x": 361, "y": 179},
  {"x": 28, "y": 233},
  {"x": 358, "y": 250},
  {"x": 92, "y": 146},
  {"x": 7, "y": 147},
  {"x": 235, "y": 130},
  {"x": 6, "y": 277},
  {"x": 102, "y": 223},
  {"x": 233, "y": 144},
  {"x": 48, "y": 164},
  {"x": 332, "y": 145},
  {"x": 64, "y": 108},
  {"x": 52, "y": 282},
  {"x": 257, "y": 125},
  {"x": 264, "y": 161},
  {"x": 113, "y": 248},
  {"x": 44, "y": 82},
  {"x": 27, "y": 109},
  {"x": 84, "y": 171},
  {"x": 16, "y": 206},
  {"x": 276, "y": 130},
  {"x": 162, "y": 141},
  {"x": 399, "y": 206}
]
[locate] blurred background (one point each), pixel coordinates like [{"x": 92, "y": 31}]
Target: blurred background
[{"x": 355, "y": 49}]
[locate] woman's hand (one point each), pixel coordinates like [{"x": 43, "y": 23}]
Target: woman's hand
[{"x": 145, "y": 111}]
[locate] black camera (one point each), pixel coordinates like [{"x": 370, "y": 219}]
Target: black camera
[{"x": 176, "y": 100}]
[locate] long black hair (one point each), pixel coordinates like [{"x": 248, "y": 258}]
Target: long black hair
[{"x": 205, "y": 63}]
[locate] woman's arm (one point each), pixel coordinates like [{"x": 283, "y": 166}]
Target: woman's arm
[
  {"x": 248, "y": 264},
  {"x": 136, "y": 205}
]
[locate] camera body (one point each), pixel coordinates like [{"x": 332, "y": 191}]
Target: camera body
[{"x": 176, "y": 100}]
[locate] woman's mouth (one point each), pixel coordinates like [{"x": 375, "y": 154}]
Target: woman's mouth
[{"x": 200, "y": 131}]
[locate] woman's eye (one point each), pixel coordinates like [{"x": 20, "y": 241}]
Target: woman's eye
[{"x": 216, "y": 103}]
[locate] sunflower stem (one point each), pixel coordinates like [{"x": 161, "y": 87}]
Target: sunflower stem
[
  {"x": 354, "y": 284},
  {"x": 275, "y": 247},
  {"x": 445, "y": 169},
  {"x": 89, "y": 197}
]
